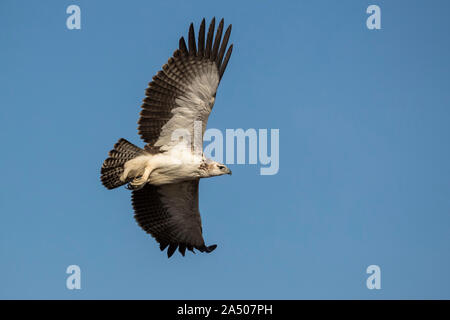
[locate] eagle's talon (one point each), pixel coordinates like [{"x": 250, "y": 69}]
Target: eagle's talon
[
  {"x": 139, "y": 182},
  {"x": 136, "y": 184}
]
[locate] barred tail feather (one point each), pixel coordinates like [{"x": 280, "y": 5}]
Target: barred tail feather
[{"x": 112, "y": 167}]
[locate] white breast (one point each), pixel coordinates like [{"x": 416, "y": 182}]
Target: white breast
[{"x": 174, "y": 166}]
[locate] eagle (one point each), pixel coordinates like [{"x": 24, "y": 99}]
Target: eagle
[{"x": 164, "y": 175}]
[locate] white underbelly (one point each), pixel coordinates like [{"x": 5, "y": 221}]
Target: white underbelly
[
  {"x": 171, "y": 172},
  {"x": 170, "y": 167}
]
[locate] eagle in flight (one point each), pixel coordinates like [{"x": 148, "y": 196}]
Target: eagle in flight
[{"x": 164, "y": 175}]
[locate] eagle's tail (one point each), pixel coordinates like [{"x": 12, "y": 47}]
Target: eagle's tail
[{"x": 112, "y": 167}]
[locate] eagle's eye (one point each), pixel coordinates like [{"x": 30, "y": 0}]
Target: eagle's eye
[{"x": 221, "y": 167}]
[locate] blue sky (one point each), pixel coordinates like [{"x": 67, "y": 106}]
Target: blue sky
[{"x": 364, "y": 173}]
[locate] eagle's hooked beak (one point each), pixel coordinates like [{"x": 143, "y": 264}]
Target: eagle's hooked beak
[{"x": 229, "y": 172}]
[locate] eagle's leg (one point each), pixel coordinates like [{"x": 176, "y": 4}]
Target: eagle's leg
[
  {"x": 139, "y": 182},
  {"x": 125, "y": 173}
]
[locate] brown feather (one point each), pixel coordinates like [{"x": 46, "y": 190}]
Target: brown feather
[{"x": 217, "y": 40}]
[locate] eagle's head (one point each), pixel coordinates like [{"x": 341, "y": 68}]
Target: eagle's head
[{"x": 214, "y": 168}]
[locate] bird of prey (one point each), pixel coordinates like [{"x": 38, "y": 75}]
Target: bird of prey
[{"x": 164, "y": 175}]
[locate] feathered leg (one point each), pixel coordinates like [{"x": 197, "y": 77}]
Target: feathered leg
[{"x": 139, "y": 182}]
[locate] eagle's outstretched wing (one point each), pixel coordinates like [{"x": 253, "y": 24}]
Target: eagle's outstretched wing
[
  {"x": 170, "y": 214},
  {"x": 184, "y": 90}
]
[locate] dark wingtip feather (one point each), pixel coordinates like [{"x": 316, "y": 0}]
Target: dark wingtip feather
[
  {"x": 206, "y": 249},
  {"x": 225, "y": 61},
  {"x": 209, "y": 38},
  {"x": 191, "y": 248},
  {"x": 182, "y": 249},
  {"x": 171, "y": 250},
  {"x": 183, "y": 47},
  {"x": 223, "y": 46},
  {"x": 217, "y": 40},
  {"x": 163, "y": 245},
  {"x": 201, "y": 38},
  {"x": 211, "y": 248},
  {"x": 192, "y": 47}
]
